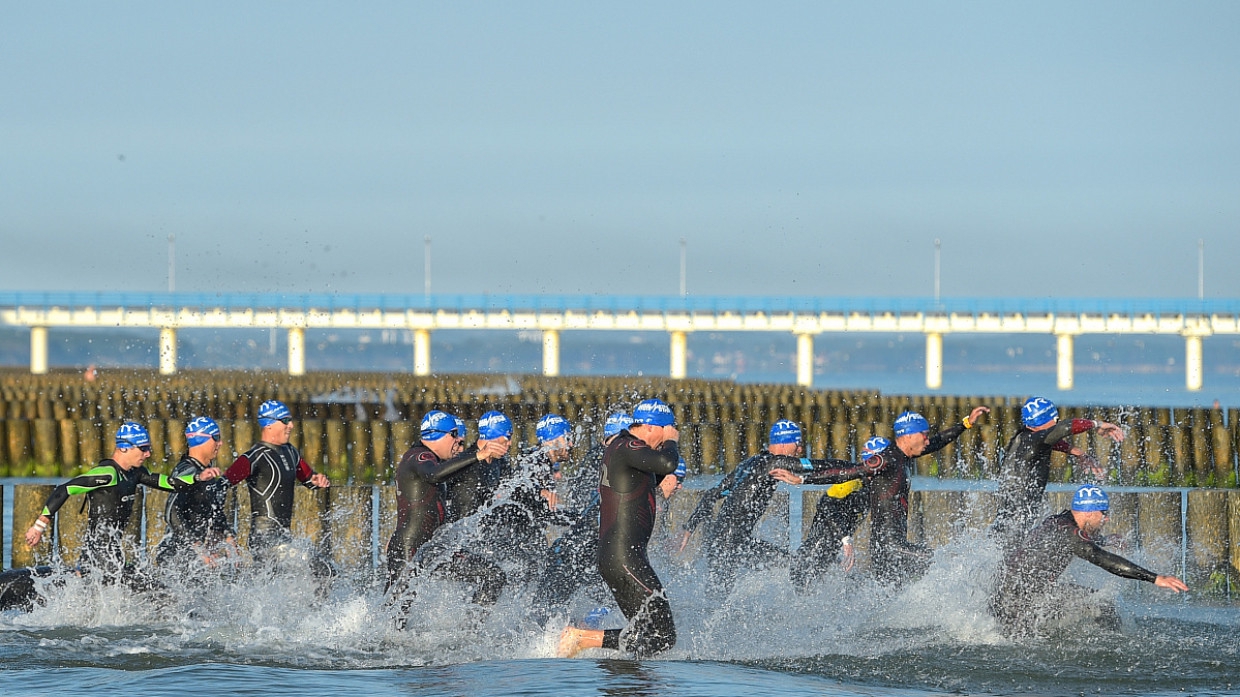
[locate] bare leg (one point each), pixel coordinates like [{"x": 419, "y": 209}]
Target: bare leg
[{"x": 574, "y": 640}]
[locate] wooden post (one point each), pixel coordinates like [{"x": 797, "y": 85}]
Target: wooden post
[
  {"x": 710, "y": 436},
  {"x": 1207, "y": 533},
  {"x": 359, "y": 443},
  {"x": 312, "y": 443},
  {"x": 45, "y": 456},
  {"x": 731, "y": 446},
  {"x": 1158, "y": 523},
  {"x": 28, "y": 500},
  {"x": 387, "y": 517},
  {"x": 156, "y": 524},
  {"x": 337, "y": 455},
  {"x": 380, "y": 449},
  {"x": 308, "y": 509},
  {"x": 20, "y": 464},
  {"x": 350, "y": 525}
]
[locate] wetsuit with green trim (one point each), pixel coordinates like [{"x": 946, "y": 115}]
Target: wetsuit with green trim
[
  {"x": 746, "y": 492},
  {"x": 270, "y": 473},
  {"x": 1023, "y": 474},
  {"x": 1026, "y": 579},
  {"x": 110, "y": 492},
  {"x": 420, "y": 511},
  {"x": 196, "y": 516},
  {"x": 630, "y": 475}
]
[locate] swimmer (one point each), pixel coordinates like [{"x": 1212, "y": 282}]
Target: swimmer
[
  {"x": 1026, "y": 592},
  {"x": 632, "y": 466},
  {"x": 1026, "y": 465}
]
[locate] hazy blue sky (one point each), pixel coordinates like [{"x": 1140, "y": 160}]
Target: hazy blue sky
[{"x": 1056, "y": 148}]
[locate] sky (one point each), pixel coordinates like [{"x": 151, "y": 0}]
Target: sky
[{"x": 1059, "y": 149}]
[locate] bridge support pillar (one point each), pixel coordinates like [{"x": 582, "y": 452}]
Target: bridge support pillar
[
  {"x": 167, "y": 351},
  {"x": 680, "y": 354},
  {"x": 38, "y": 350},
  {"x": 1193, "y": 364},
  {"x": 1065, "y": 343},
  {"x": 551, "y": 352},
  {"x": 421, "y": 352},
  {"x": 805, "y": 360},
  {"x": 296, "y": 351},
  {"x": 934, "y": 360}
]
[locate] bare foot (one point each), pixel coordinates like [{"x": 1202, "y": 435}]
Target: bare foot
[{"x": 574, "y": 640}]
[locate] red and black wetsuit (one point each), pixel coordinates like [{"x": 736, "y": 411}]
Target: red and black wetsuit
[
  {"x": 1023, "y": 474},
  {"x": 270, "y": 471},
  {"x": 1027, "y": 576},
  {"x": 196, "y": 515},
  {"x": 630, "y": 475}
]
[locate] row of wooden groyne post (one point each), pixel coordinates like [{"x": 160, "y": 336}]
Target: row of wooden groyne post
[{"x": 353, "y": 428}]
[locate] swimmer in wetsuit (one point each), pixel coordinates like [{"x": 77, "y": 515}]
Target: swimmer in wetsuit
[
  {"x": 1026, "y": 465},
  {"x": 110, "y": 489},
  {"x": 1026, "y": 592},
  {"x": 198, "y": 525},
  {"x": 746, "y": 492},
  {"x": 632, "y": 466},
  {"x": 270, "y": 469},
  {"x": 572, "y": 560},
  {"x": 836, "y": 517},
  {"x": 420, "y": 510}
]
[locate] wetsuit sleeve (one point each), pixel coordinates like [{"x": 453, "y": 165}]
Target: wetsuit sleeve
[
  {"x": 435, "y": 472},
  {"x": 1062, "y": 446},
  {"x": 239, "y": 470},
  {"x": 706, "y": 504},
  {"x": 165, "y": 482},
  {"x": 97, "y": 478},
  {"x": 662, "y": 461},
  {"x": 941, "y": 439},
  {"x": 1092, "y": 553},
  {"x": 304, "y": 473},
  {"x": 836, "y": 471}
]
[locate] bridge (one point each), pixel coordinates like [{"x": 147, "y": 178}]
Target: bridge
[{"x": 804, "y": 317}]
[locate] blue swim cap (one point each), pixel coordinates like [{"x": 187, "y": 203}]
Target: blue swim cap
[
  {"x": 1090, "y": 498},
  {"x": 875, "y": 445},
  {"x": 494, "y": 425},
  {"x": 201, "y": 430},
  {"x": 785, "y": 431},
  {"x": 552, "y": 426},
  {"x": 616, "y": 423},
  {"x": 436, "y": 424},
  {"x": 681, "y": 470},
  {"x": 653, "y": 412},
  {"x": 272, "y": 411},
  {"x": 462, "y": 431},
  {"x": 909, "y": 423},
  {"x": 132, "y": 434},
  {"x": 1038, "y": 411}
]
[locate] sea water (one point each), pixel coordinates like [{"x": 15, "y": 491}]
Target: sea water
[{"x": 259, "y": 631}]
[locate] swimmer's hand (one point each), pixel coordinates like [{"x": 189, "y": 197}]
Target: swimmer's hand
[
  {"x": 320, "y": 480},
  {"x": 786, "y": 476},
  {"x": 684, "y": 541},
  {"x": 849, "y": 554},
  {"x": 1171, "y": 582},
  {"x": 35, "y": 533},
  {"x": 1111, "y": 431},
  {"x": 207, "y": 475}
]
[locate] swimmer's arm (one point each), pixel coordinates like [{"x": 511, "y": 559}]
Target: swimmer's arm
[{"x": 1113, "y": 563}]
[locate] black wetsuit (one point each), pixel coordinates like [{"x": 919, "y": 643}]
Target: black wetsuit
[
  {"x": 420, "y": 511},
  {"x": 834, "y": 519},
  {"x": 572, "y": 560},
  {"x": 746, "y": 492},
  {"x": 1023, "y": 474},
  {"x": 270, "y": 472},
  {"x": 630, "y": 476},
  {"x": 515, "y": 527},
  {"x": 196, "y": 516},
  {"x": 893, "y": 557},
  {"x": 1025, "y": 585},
  {"x": 471, "y": 488},
  {"x": 110, "y": 493}
]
